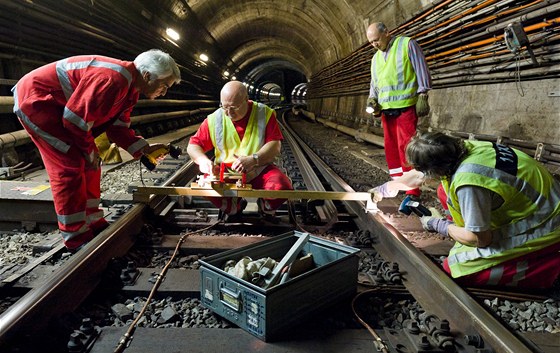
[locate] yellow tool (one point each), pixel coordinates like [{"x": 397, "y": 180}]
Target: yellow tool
[{"x": 150, "y": 160}]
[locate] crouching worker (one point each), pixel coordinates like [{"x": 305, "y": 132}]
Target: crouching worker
[
  {"x": 505, "y": 208},
  {"x": 65, "y": 105},
  {"x": 246, "y": 135}
]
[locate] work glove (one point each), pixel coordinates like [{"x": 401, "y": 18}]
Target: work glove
[
  {"x": 373, "y": 107},
  {"x": 439, "y": 225},
  {"x": 422, "y": 106},
  {"x": 379, "y": 192}
]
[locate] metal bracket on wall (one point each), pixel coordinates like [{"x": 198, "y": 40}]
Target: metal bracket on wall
[{"x": 554, "y": 94}]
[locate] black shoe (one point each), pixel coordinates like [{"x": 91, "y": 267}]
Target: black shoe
[{"x": 233, "y": 218}]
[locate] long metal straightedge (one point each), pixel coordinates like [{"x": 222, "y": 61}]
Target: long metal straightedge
[{"x": 142, "y": 193}]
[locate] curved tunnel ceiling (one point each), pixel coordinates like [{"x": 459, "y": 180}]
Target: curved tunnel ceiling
[
  {"x": 248, "y": 38},
  {"x": 305, "y": 35}
]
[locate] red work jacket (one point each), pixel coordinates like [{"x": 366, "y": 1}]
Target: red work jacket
[{"x": 71, "y": 101}]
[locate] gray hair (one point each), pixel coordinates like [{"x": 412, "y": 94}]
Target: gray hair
[{"x": 158, "y": 63}]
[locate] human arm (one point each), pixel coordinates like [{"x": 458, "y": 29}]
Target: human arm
[
  {"x": 409, "y": 180},
  {"x": 476, "y": 205},
  {"x": 422, "y": 77},
  {"x": 265, "y": 155},
  {"x": 420, "y": 66},
  {"x": 197, "y": 154}
]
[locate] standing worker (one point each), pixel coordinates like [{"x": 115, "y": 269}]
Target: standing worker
[
  {"x": 246, "y": 135},
  {"x": 505, "y": 208},
  {"x": 399, "y": 87},
  {"x": 64, "y": 105}
]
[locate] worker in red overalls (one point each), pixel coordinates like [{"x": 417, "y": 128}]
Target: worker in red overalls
[
  {"x": 64, "y": 105},
  {"x": 246, "y": 135}
]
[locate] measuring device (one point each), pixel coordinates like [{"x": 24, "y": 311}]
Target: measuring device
[{"x": 212, "y": 186}]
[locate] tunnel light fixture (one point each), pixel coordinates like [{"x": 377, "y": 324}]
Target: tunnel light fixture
[
  {"x": 203, "y": 57},
  {"x": 171, "y": 33},
  {"x": 226, "y": 73},
  {"x": 233, "y": 78}
]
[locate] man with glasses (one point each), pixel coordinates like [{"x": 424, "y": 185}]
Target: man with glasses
[{"x": 245, "y": 135}]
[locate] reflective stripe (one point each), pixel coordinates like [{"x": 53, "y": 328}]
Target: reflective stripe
[
  {"x": 63, "y": 66},
  {"x": 75, "y": 119},
  {"x": 136, "y": 146},
  {"x": 261, "y": 123},
  {"x": 94, "y": 217},
  {"x": 520, "y": 273},
  {"x": 543, "y": 204},
  {"x": 50, "y": 139},
  {"x": 93, "y": 203},
  {"x": 119, "y": 122},
  {"x": 394, "y": 171},
  {"x": 71, "y": 218},
  {"x": 226, "y": 140},
  {"x": 69, "y": 235},
  {"x": 507, "y": 243},
  {"x": 219, "y": 132},
  {"x": 495, "y": 276},
  {"x": 400, "y": 65},
  {"x": 528, "y": 221}
]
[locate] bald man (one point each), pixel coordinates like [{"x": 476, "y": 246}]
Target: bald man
[
  {"x": 246, "y": 135},
  {"x": 399, "y": 87}
]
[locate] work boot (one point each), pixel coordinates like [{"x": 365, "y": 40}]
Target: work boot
[
  {"x": 234, "y": 217},
  {"x": 266, "y": 213}
]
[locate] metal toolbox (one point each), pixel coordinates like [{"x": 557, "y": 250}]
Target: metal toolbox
[{"x": 265, "y": 312}]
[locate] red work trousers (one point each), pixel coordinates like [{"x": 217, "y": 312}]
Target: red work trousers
[
  {"x": 397, "y": 132},
  {"x": 271, "y": 178},
  {"x": 76, "y": 193},
  {"x": 538, "y": 269}
]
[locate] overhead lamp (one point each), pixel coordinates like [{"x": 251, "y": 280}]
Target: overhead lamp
[
  {"x": 226, "y": 73},
  {"x": 203, "y": 57},
  {"x": 171, "y": 33},
  {"x": 233, "y": 78}
]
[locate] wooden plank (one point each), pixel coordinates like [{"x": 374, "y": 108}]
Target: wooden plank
[{"x": 143, "y": 192}]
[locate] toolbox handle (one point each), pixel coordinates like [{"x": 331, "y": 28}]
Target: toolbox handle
[
  {"x": 230, "y": 299},
  {"x": 290, "y": 257}
]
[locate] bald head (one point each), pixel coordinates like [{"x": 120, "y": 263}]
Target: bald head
[
  {"x": 234, "y": 100},
  {"x": 378, "y": 35}
]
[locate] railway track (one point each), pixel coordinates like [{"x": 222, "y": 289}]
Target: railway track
[{"x": 172, "y": 218}]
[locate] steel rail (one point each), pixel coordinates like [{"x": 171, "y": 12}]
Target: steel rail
[
  {"x": 65, "y": 289},
  {"x": 431, "y": 287}
]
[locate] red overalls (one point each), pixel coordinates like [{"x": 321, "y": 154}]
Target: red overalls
[{"x": 64, "y": 106}]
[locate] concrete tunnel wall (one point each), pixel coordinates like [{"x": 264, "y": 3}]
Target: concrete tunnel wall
[{"x": 496, "y": 109}]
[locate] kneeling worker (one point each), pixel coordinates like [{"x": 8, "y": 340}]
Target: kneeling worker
[
  {"x": 505, "y": 208},
  {"x": 246, "y": 135}
]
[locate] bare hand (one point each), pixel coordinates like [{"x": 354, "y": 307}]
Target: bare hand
[
  {"x": 93, "y": 160},
  {"x": 243, "y": 164}
]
